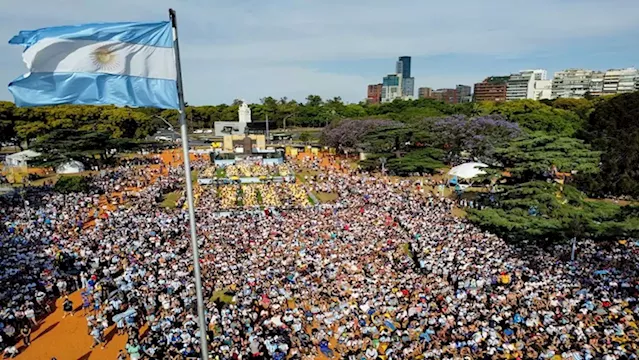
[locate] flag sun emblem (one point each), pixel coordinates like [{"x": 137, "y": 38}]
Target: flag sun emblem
[{"x": 104, "y": 58}]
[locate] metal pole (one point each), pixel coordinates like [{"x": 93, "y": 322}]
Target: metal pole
[
  {"x": 202, "y": 322},
  {"x": 267, "y": 140},
  {"x": 284, "y": 121},
  {"x": 573, "y": 249}
]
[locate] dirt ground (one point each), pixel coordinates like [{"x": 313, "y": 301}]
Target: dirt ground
[{"x": 67, "y": 339}]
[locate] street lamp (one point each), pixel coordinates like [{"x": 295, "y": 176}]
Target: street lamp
[
  {"x": 284, "y": 121},
  {"x": 383, "y": 161},
  {"x": 173, "y": 133}
]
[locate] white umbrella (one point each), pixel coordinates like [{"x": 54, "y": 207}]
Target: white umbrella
[{"x": 467, "y": 170}]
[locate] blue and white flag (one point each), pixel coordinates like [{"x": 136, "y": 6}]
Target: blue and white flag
[{"x": 129, "y": 64}]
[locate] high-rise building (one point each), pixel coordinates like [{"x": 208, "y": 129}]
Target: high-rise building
[
  {"x": 391, "y": 87},
  {"x": 408, "y": 86},
  {"x": 464, "y": 93},
  {"x": 425, "y": 93},
  {"x": 618, "y": 81},
  {"x": 374, "y": 93},
  {"x": 522, "y": 85},
  {"x": 575, "y": 83},
  {"x": 399, "y": 85},
  {"x": 403, "y": 67},
  {"x": 493, "y": 88},
  {"x": 542, "y": 89},
  {"x": 596, "y": 83}
]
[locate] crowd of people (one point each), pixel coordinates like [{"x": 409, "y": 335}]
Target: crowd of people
[
  {"x": 248, "y": 169},
  {"x": 384, "y": 272},
  {"x": 250, "y": 196}
]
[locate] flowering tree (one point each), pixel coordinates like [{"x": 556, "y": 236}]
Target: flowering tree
[
  {"x": 479, "y": 136},
  {"x": 349, "y": 133}
]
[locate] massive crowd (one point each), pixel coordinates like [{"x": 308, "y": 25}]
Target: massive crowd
[{"x": 385, "y": 272}]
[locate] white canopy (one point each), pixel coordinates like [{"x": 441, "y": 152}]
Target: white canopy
[
  {"x": 70, "y": 167},
  {"x": 21, "y": 158},
  {"x": 467, "y": 170}
]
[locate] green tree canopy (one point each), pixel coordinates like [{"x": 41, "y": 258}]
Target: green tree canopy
[
  {"x": 547, "y": 212},
  {"x": 612, "y": 129},
  {"x": 71, "y": 184},
  {"x": 533, "y": 156},
  {"x": 61, "y": 145}
]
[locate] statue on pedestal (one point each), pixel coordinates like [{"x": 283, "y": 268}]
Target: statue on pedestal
[{"x": 244, "y": 113}]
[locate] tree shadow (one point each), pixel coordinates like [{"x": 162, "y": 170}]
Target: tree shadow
[
  {"x": 51, "y": 327},
  {"x": 85, "y": 356},
  {"x": 144, "y": 333},
  {"x": 111, "y": 334}
]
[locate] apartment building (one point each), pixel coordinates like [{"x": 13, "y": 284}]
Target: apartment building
[
  {"x": 493, "y": 88},
  {"x": 529, "y": 84}
]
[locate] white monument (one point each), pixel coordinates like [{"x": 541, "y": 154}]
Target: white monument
[
  {"x": 222, "y": 128},
  {"x": 244, "y": 113}
]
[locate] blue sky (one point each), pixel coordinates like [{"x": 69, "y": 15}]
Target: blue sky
[{"x": 254, "y": 48}]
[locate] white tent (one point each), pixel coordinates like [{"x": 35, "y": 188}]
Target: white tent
[
  {"x": 467, "y": 170},
  {"x": 21, "y": 158},
  {"x": 70, "y": 167}
]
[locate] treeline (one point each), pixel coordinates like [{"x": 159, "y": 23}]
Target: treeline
[
  {"x": 546, "y": 159},
  {"x": 527, "y": 136},
  {"x": 26, "y": 124},
  {"x": 595, "y": 140}
]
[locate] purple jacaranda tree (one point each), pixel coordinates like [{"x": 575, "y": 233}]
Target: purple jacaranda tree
[
  {"x": 479, "y": 136},
  {"x": 349, "y": 133}
]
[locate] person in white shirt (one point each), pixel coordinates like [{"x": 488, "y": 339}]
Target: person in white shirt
[{"x": 11, "y": 351}]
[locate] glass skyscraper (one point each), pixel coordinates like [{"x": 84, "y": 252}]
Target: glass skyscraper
[{"x": 403, "y": 66}]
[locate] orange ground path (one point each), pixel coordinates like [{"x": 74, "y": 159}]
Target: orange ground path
[{"x": 67, "y": 339}]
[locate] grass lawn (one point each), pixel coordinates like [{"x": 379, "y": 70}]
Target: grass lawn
[
  {"x": 300, "y": 175},
  {"x": 457, "y": 212},
  {"x": 311, "y": 201},
  {"x": 49, "y": 178},
  {"x": 324, "y": 197},
  {"x": 614, "y": 201},
  {"x": 170, "y": 200}
]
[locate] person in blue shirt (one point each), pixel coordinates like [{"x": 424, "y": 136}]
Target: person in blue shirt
[
  {"x": 324, "y": 348},
  {"x": 278, "y": 355}
]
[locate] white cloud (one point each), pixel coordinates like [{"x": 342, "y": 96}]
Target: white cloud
[{"x": 253, "y": 48}]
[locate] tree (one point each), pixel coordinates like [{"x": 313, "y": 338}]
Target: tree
[
  {"x": 478, "y": 136},
  {"x": 314, "y": 100},
  {"x": 423, "y": 161},
  {"x": 581, "y": 107},
  {"x": 7, "y": 123},
  {"x": 612, "y": 128},
  {"x": 349, "y": 133},
  {"x": 71, "y": 184},
  {"x": 29, "y": 130},
  {"x": 547, "y": 212},
  {"x": 305, "y": 136},
  {"x": 533, "y": 157},
  {"x": 88, "y": 146},
  {"x": 536, "y": 116}
]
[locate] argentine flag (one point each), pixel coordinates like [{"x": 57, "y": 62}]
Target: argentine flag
[{"x": 129, "y": 64}]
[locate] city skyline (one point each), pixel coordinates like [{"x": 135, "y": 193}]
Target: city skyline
[{"x": 251, "y": 49}]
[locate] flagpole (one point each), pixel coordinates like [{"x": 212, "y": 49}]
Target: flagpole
[{"x": 202, "y": 322}]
